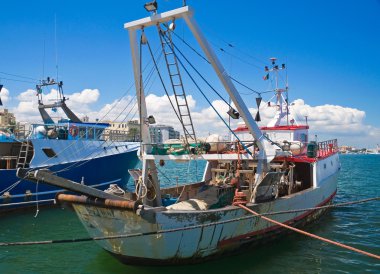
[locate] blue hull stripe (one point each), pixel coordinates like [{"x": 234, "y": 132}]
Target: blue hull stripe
[{"x": 99, "y": 173}]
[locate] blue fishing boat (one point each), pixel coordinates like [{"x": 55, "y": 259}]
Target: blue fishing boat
[{"x": 78, "y": 151}]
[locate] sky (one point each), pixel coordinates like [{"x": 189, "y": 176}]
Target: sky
[{"x": 331, "y": 50}]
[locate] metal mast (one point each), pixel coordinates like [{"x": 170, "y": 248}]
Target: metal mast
[{"x": 267, "y": 151}]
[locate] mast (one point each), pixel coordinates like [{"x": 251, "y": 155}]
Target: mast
[
  {"x": 281, "y": 101},
  {"x": 267, "y": 151}
]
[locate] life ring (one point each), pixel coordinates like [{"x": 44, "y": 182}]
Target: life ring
[{"x": 73, "y": 130}]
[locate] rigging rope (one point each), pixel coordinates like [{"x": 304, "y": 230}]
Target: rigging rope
[
  {"x": 78, "y": 164},
  {"x": 105, "y": 115},
  {"x": 164, "y": 86},
  {"x": 204, "y": 58},
  {"x": 23, "y": 81},
  {"x": 240, "y": 83},
  {"x": 199, "y": 74},
  {"x": 208, "y": 101},
  {"x": 18, "y": 76},
  {"x": 310, "y": 234}
]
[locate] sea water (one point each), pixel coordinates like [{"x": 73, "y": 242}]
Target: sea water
[{"x": 358, "y": 226}]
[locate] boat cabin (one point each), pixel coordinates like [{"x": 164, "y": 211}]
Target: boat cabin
[{"x": 69, "y": 131}]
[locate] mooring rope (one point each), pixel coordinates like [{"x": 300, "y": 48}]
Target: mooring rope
[
  {"x": 27, "y": 202},
  {"x": 310, "y": 234},
  {"x": 88, "y": 239},
  {"x": 322, "y": 207}
]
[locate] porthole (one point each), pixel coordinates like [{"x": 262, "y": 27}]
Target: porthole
[{"x": 49, "y": 152}]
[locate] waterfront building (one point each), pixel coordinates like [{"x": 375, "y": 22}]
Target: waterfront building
[{"x": 161, "y": 133}]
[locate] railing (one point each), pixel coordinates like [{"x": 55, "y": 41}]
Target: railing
[
  {"x": 179, "y": 148},
  {"x": 9, "y": 132},
  {"x": 121, "y": 136},
  {"x": 327, "y": 148},
  {"x": 322, "y": 149}
]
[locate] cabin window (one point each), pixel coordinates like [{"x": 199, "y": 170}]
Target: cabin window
[
  {"x": 49, "y": 152},
  {"x": 82, "y": 133},
  {"x": 303, "y": 138},
  {"x": 90, "y": 133},
  {"x": 62, "y": 133},
  {"x": 98, "y": 133}
]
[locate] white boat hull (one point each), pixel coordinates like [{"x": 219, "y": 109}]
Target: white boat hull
[{"x": 197, "y": 244}]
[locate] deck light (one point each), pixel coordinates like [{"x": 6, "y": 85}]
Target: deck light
[
  {"x": 151, "y": 6},
  {"x": 172, "y": 26},
  {"x": 151, "y": 119}
]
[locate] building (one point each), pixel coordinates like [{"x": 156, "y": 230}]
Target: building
[
  {"x": 123, "y": 131},
  {"x": 161, "y": 133},
  {"x": 7, "y": 118}
]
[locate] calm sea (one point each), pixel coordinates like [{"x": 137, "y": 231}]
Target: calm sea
[{"x": 358, "y": 226}]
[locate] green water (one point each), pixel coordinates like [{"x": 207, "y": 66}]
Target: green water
[{"x": 358, "y": 226}]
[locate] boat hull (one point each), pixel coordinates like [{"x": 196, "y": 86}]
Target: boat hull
[
  {"x": 194, "y": 236},
  {"x": 99, "y": 172}
]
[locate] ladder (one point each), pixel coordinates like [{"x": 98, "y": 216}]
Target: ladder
[
  {"x": 25, "y": 149},
  {"x": 177, "y": 86}
]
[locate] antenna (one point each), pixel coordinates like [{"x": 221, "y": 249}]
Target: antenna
[
  {"x": 55, "y": 44},
  {"x": 43, "y": 60}
]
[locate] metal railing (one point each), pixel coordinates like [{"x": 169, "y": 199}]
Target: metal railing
[
  {"x": 326, "y": 148},
  {"x": 180, "y": 148},
  {"x": 18, "y": 131}
]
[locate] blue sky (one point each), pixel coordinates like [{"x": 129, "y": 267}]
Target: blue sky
[{"x": 331, "y": 47}]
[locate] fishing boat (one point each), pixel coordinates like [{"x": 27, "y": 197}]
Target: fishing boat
[
  {"x": 374, "y": 150},
  {"x": 272, "y": 170},
  {"x": 69, "y": 147}
]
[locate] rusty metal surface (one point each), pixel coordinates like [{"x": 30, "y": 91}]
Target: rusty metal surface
[
  {"x": 194, "y": 244},
  {"x": 123, "y": 204}
]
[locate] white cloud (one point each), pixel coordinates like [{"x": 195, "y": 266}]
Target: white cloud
[
  {"x": 28, "y": 95},
  {"x": 120, "y": 110},
  {"x": 328, "y": 121},
  {"x": 86, "y": 96},
  {"x": 4, "y": 95}
]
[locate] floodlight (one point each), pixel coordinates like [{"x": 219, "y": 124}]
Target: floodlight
[
  {"x": 151, "y": 6},
  {"x": 151, "y": 120},
  {"x": 233, "y": 113},
  {"x": 172, "y": 26}
]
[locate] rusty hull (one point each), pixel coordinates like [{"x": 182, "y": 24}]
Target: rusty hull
[{"x": 195, "y": 244}]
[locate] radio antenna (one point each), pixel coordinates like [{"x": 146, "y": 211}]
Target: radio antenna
[{"x": 55, "y": 44}]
